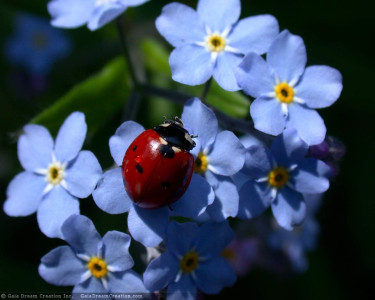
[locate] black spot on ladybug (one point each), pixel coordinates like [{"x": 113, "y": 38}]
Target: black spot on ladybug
[
  {"x": 165, "y": 185},
  {"x": 134, "y": 148},
  {"x": 139, "y": 168},
  {"x": 166, "y": 151}
]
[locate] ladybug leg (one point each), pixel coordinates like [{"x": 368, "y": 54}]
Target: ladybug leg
[{"x": 170, "y": 207}]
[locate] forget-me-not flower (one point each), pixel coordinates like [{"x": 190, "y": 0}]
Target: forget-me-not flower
[
  {"x": 56, "y": 174},
  {"x": 90, "y": 263},
  {"x": 192, "y": 261},
  {"x": 286, "y": 93},
  {"x": 211, "y": 41},
  {"x": 278, "y": 177},
  {"x": 218, "y": 156},
  {"x": 294, "y": 244},
  {"x": 147, "y": 226},
  {"x": 35, "y": 45},
  {"x": 94, "y": 13}
]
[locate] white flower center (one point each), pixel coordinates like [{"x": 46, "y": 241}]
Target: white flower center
[{"x": 215, "y": 42}]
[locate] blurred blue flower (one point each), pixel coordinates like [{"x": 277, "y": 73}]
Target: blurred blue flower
[
  {"x": 278, "y": 177},
  {"x": 242, "y": 254},
  {"x": 211, "y": 41},
  {"x": 91, "y": 263},
  {"x": 147, "y": 226},
  {"x": 331, "y": 151},
  {"x": 94, "y": 13},
  {"x": 192, "y": 261},
  {"x": 294, "y": 244},
  {"x": 35, "y": 45},
  {"x": 55, "y": 175},
  {"x": 218, "y": 155},
  {"x": 286, "y": 93}
]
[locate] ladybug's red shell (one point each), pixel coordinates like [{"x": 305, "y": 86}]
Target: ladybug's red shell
[{"x": 156, "y": 173}]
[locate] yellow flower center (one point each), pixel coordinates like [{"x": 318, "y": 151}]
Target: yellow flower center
[
  {"x": 97, "y": 267},
  {"x": 228, "y": 254},
  {"x": 189, "y": 262},
  {"x": 284, "y": 92},
  {"x": 278, "y": 177},
  {"x": 215, "y": 42},
  {"x": 201, "y": 163},
  {"x": 55, "y": 173}
]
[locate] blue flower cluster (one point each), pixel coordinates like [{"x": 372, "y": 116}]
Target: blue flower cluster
[
  {"x": 231, "y": 178},
  {"x": 35, "y": 45}
]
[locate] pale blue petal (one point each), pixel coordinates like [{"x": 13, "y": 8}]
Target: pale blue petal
[
  {"x": 24, "y": 194},
  {"x": 212, "y": 179},
  {"x": 240, "y": 179},
  {"x": 198, "y": 144},
  {"x": 215, "y": 274},
  {"x": 288, "y": 148},
  {"x": 128, "y": 282},
  {"x": 82, "y": 174},
  {"x": 195, "y": 200},
  {"x": 226, "y": 201},
  {"x": 61, "y": 267},
  {"x": 289, "y": 208},
  {"x": 161, "y": 271},
  {"x": 320, "y": 86},
  {"x": 54, "y": 209},
  {"x": 191, "y": 64},
  {"x": 228, "y": 154},
  {"x": 81, "y": 234},
  {"x": 184, "y": 289},
  {"x": 70, "y": 137},
  {"x": 200, "y": 120},
  {"x": 110, "y": 194},
  {"x": 148, "y": 226},
  {"x": 115, "y": 250},
  {"x": 224, "y": 70},
  {"x": 308, "y": 123},
  {"x": 35, "y": 147},
  {"x": 287, "y": 56},
  {"x": 254, "y": 200},
  {"x": 180, "y": 237},
  {"x": 104, "y": 14},
  {"x": 133, "y": 2},
  {"x": 258, "y": 162},
  {"x": 213, "y": 238},
  {"x": 254, "y": 34},
  {"x": 179, "y": 24},
  {"x": 219, "y": 14},
  {"x": 90, "y": 286},
  {"x": 268, "y": 116},
  {"x": 307, "y": 178},
  {"x": 254, "y": 76},
  {"x": 70, "y": 13},
  {"x": 255, "y": 139},
  {"x": 123, "y": 137}
]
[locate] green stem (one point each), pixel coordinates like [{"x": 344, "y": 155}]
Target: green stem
[
  {"x": 126, "y": 52},
  {"x": 206, "y": 89}
]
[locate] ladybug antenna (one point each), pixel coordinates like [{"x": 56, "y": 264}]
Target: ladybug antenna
[{"x": 193, "y": 136}]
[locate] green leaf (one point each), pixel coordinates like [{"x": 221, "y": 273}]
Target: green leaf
[
  {"x": 98, "y": 97},
  {"x": 156, "y": 56}
]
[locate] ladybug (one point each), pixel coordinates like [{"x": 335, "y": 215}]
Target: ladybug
[{"x": 157, "y": 166}]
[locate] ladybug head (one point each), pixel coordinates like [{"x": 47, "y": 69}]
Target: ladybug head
[{"x": 175, "y": 134}]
